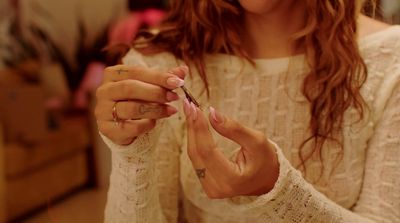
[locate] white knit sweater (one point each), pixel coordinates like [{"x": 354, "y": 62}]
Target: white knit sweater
[{"x": 153, "y": 176}]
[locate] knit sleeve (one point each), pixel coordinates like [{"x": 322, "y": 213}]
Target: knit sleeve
[
  {"x": 380, "y": 196},
  {"x": 293, "y": 199},
  {"x": 144, "y": 179}
]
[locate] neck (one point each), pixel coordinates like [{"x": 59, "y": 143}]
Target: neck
[{"x": 269, "y": 35}]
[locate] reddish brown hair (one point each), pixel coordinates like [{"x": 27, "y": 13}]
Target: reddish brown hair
[
  {"x": 194, "y": 29},
  {"x": 337, "y": 68}
]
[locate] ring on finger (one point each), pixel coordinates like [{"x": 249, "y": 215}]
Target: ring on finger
[{"x": 117, "y": 120}]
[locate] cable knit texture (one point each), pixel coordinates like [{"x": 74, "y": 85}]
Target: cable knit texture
[{"x": 153, "y": 180}]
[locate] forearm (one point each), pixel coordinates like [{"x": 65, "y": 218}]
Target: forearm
[
  {"x": 293, "y": 199},
  {"x": 133, "y": 193}
]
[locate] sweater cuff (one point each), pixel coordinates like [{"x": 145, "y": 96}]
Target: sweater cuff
[
  {"x": 252, "y": 204},
  {"x": 140, "y": 147}
]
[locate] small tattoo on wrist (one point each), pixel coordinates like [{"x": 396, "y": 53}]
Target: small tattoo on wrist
[{"x": 201, "y": 173}]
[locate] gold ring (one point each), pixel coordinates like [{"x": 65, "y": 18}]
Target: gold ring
[{"x": 116, "y": 119}]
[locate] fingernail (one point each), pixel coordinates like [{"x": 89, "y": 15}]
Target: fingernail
[
  {"x": 185, "y": 69},
  {"x": 175, "y": 82},
  {"x": 216, "y": 116},
  {"x": 171, "y": 96},
  {"x": 193, "y": 111},
  {"x": 171, "y": 110},
  {"x": 186, "y": 107}
]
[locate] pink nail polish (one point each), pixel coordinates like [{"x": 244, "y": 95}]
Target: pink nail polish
[
  {"x": 185, "y": 69},
  {"x": 216, "y": 116},
  {"x": 171, "y": 96},
  {"x": 175, "y": 82},
  {"x": 171, "y": 110},
  {"x": 186, "y": 107},
  {"x": 193, "y": 111}
]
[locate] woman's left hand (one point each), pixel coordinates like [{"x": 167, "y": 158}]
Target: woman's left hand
[{"x": 255, "y": 169}]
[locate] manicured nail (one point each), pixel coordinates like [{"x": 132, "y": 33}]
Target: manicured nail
[
  {"x": 216, "y": 116},
  {"x": 175, "y": 82},
  {"x": 186, "y": 107},
  {"x": 193, "y": 111},
  {"x": 185, "y": 69},
  {"x": 171, "y": 110},
  {"x": 171, "y": 96}
]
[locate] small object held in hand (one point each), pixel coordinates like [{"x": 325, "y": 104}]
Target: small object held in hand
[{"x": 190, "y": 97}]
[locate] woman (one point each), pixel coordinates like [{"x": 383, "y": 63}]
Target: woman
[{"x": 302, "y": 133}]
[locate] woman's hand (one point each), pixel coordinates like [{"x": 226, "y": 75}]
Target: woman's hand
[
  {"x": 131, "y": 98},
  {"x": 255, "y": 169}
]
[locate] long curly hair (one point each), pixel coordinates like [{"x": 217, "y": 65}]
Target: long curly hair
[
  {"x": 337, "y": 69},
  {"x": 194, "y": 29}
]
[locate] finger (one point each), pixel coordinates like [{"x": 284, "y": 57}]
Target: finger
[
  {"x": 246, "y": 137},
  {"x": 135, "y": 90},
  {"x": 208, "y": 182},
  {"x": 191, "y": 143},
  {"x": 125, "y": 132},
  {"x": 214, "y": 160},
  {"x": 191, "y": 140},
  {"x": 133, "y": 110},
  {"x": 180, "y": 71},
  {"x": 172, "y": 79}
]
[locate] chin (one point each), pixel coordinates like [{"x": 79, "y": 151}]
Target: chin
[{"x": 260, "y": 6}]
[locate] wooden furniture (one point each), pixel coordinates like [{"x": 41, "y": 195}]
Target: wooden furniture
[
  {"x": 2, "y": 179},
  {"x": 34, "y": 176}
]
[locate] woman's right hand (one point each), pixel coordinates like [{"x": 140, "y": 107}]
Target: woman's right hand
[{"x": 140, "y": 96}]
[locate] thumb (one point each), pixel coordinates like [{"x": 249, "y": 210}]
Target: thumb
[
  {"x": 231, "y": 129},
  {"x": 180, "y": 71}
]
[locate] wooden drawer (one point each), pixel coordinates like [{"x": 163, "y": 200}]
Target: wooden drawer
[
  {"x": 72, "y": 138},
  {"x": 36, "y": 189}
]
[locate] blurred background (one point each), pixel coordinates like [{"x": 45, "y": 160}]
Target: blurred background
[{"x": 53, "y": 166}]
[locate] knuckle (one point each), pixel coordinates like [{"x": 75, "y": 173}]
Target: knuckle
[
  {"x": 260, "y": 139},
  {"x": 127, "y": 87},
  {"x": 242, "y": 178},
  {"x": 109, "y": 70},
  {"x": 99, "y": 92},
  {"x": 136, "y": 70},
  {"x": 104, "y": 91},
  {"x": 161, "y": 95},
  {"x": 97, "y": 112}
]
